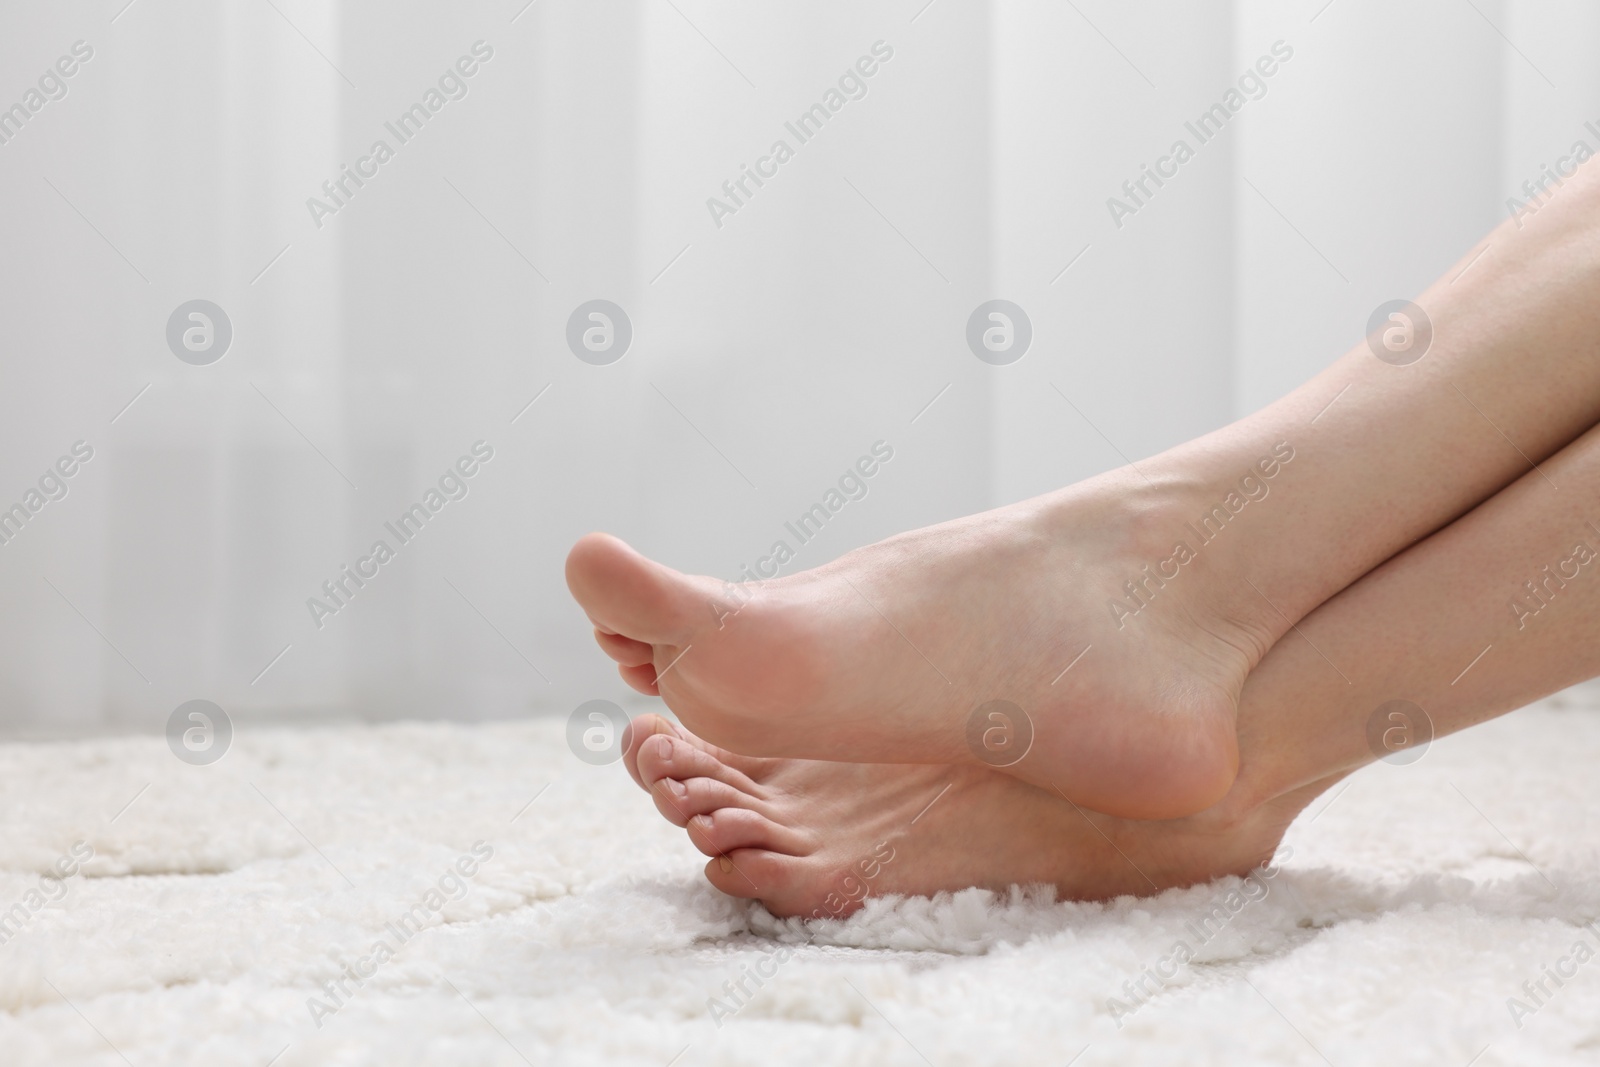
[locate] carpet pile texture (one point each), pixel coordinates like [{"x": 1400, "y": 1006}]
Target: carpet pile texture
[{"x": 534, "y": 909}]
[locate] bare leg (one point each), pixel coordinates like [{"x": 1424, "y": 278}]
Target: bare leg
[
  {"x": 1393, "y": 453},
  {"x": 1515, "y": 582},
  {"x": 809, "y": 837},
  {"x": 1171, "y": 579}
]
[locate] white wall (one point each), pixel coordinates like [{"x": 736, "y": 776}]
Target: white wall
[
  {"x": 1383, "y": 150},
  {"x": 774, "y": 350},
  {"x": 1134, "y": 342}
]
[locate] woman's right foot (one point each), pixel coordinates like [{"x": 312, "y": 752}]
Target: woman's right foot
[
  {"x": 816, "y": 839},
  {"x": 1066, "y": 640}
]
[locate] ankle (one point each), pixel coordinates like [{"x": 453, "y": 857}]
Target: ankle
[{"x": 1177, "y": 533}]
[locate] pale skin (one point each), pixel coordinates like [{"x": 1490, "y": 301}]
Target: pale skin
[
  {"x": 1178, "y": 712},
  {"x": 795, "y": 833}
]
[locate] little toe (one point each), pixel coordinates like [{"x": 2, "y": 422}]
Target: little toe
[
  {"x": 728, "y": 829},
  {"x": 753, "y": 873},
  {"x": 664, "y": 756},
  {"x": 678, "y": 802}
]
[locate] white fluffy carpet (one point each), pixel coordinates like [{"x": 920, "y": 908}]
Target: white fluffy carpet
[{"x": 217, "y": 904}]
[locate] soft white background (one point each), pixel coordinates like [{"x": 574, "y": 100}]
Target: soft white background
[{"x": 822, "y": 317}]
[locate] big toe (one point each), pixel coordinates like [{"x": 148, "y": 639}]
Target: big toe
[
  {"x": 634, "y": 736},
  {"x": 625, "y": 593},
  {"x": 685, "y": 756},
  {"x": 671, "y": 756}
]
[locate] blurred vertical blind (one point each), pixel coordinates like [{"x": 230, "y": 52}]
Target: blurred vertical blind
[{"x": 400, "y": 315}]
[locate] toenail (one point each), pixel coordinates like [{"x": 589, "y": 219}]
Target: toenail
[
  {"x": 725, "y": 863},
  {"x": 676, "y": 788},
  {"x": 663, "y": 748}
]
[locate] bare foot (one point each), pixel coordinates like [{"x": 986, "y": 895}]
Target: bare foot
[
  {"x": 882, "y": 655},
  {"x": 805, "y": 836},
  {"x": 817, "y": 839},
  {"x": 893, "y": 653}
]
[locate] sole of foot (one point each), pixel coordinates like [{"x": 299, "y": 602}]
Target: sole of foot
[
  {"x": 985, "y": 642},
  {"x": 817, "y": 839}
]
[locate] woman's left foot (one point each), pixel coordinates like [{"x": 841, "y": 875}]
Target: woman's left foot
[{"x": 816, "y": 839}]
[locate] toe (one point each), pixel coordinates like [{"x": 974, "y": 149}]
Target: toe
[
  {"x": 625, "y": 650},
  {"x": 729, "y": 829},
  {"x": 753, "y": 873},
  {"x": 670, "y": 756},
  {"x": 678, "y": 802},
  {"x": 649, "y": 725},
  {"x": 627, "y": 594},
  {"x": 642, "y": 678},
  {"x": 636, "y": 734}
]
